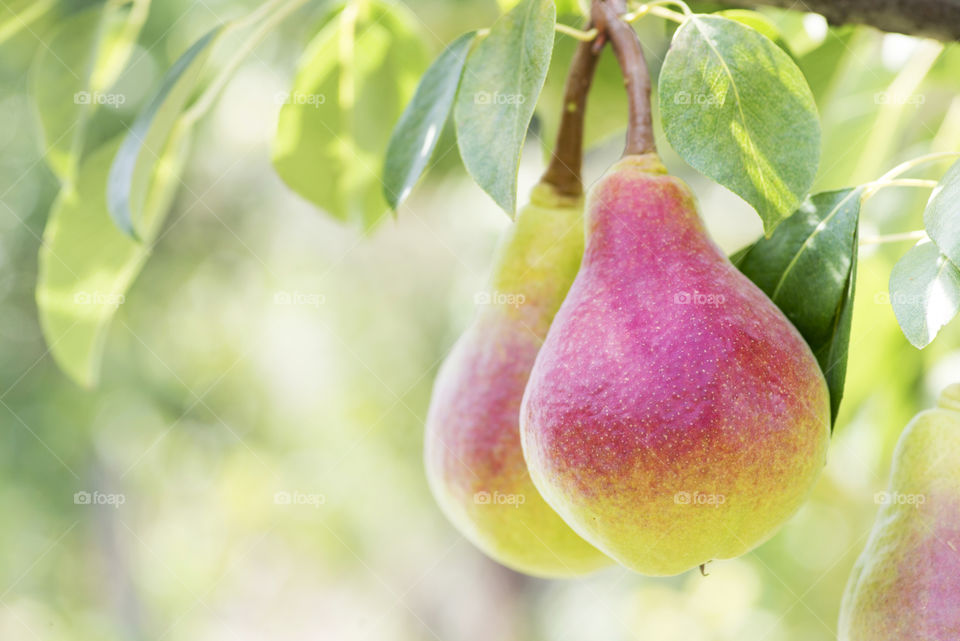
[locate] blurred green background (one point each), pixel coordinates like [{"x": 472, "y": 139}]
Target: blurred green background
[{"x": 252, "y": 457}]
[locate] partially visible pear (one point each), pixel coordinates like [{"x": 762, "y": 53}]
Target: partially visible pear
[
  {"x": 674, "y": 415},
  {"x": 472, "y": 446},
  {"x": 906, "y": 583}
]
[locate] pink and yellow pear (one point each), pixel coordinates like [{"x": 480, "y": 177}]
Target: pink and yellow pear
[
  {"x": 474, "y": 462},
  {"x": 674, "y": 415},
  {"x": 906, "y": 583}
]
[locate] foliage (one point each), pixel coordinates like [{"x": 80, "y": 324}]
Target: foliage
[
  {"x": 737, "y": 108},
  {"x": 263, "y": 349}
]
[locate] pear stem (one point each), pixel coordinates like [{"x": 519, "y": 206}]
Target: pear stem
[
  {"x": 563, "y": 173},
  {"x": 626, "y": 45}
]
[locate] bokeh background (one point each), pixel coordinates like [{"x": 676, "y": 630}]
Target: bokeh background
[{"x": 258, "y": 430}]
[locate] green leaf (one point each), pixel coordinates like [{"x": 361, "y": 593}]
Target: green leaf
[
  {"x": 807, "y": 268},
  {"x": 821, "y": 65},
  {"x": 832, "y": 356},
  {"x": 19, "y": 17},
  {"x": 501, "y": 83},
  {"x": 564, "y": 7},
  {"x": 416, "y": 134},
  {"x": 758, "y": 22},
  {"x": 351, "y": 86},
  {"x": 86, "y": 264},
  {"x": 737, "y": 257},
  {"x": 924, "y": 292},
  {"x": 736, "y": 108},
  {"x": 136, "y": 160},
  {"x": 942, "y": 215},
  {"x": 72, "y": 73},
  {"x": 59, "y": 83},
  {"x": 119, "y": 32}
]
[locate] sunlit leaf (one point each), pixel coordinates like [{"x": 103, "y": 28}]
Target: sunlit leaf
[
  {"x": 59, "y": 84},
  {"x": 501, "y": 82},
  {"x": 924, "y": 293},
  {"x": 821, "y": 65},
  {"x": 807, "y": 268},
  {"x": 942, "y": 215},
  {"x": 86, "y": 264},
  {"x": 758, "y": 22},
  {"x": 136, "y": 160},
  {"x": 118, "y": 35},
  {"x": 352, "y": 84},
  {"x": 416, "y": 134},
  {"x": 19, "y": 16},
  {"x": 564, "y": 7},
  {"x": 72, "y": 73},
  {"x": 736, "y": 107}
]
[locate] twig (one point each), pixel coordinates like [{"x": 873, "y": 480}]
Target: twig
[
  {"x": 563, "y": 171},
  {"x": 626, "y": 46}
]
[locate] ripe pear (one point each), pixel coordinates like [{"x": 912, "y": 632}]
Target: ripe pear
[
  {"x": 906, "y": 583},
  {"x": 473, "y": 457},
  {"x": 673, "y": 415}
]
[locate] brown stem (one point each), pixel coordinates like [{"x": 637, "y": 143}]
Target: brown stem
[
  {"x": 606, "y": 14},
  {"x": 565, "y": 163}
]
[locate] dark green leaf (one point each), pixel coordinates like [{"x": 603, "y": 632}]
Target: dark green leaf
[
  {"x": 352, "y": 84},
  {"x": 737, "y": 257},
  {"x": 924, "y": 292},
  {"x": 806, "y": 267},
  {"x": 136, "y": 160},
  {"x": 832, "y": 356},
  {"x": 736, "y": 107},
  {"x": 942, "y": 216},
  {"x": 416, "y": 134},
  {"x": 501, "y": 82}
]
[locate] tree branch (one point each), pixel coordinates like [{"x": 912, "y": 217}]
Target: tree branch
[
  {"x": 565, "y": 163},
  {"x": 636, "y": 77},
  {"x": 931, "y": 18}
]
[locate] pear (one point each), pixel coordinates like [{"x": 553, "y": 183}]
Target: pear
[
  {"x": 474, "y": 461},
  {"x": 673, "y": 415},
  {"x": 906, "y": 583}
]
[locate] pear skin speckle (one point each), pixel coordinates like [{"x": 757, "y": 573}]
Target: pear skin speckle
[
  {"x": 906, "y": 583},
  {"x": 674, "y": 415},
  {"x": 473, "y": 456}
]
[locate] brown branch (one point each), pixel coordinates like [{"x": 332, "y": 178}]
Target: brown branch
[
  {"x": 931, "y": 18},
  {"x": 626, "y": 46},
  {"x": 563, "y": 173}
]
